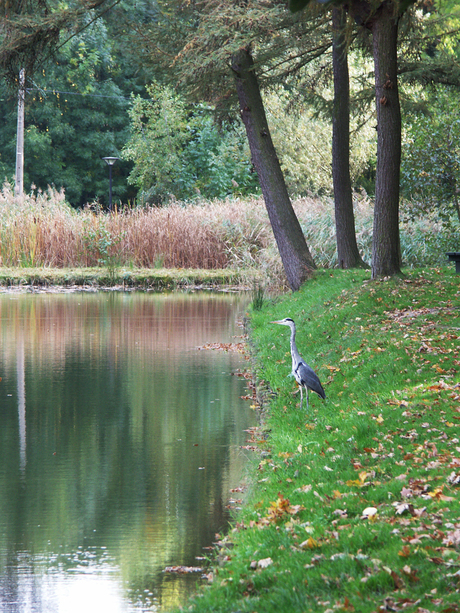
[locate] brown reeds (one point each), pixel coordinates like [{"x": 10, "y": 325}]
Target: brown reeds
[{"x": 42, "y": 229}]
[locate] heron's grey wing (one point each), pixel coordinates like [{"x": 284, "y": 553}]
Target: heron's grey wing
[{"x": 305, "y": 375}]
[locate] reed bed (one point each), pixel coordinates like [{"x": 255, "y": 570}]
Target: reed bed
[{"x": 42, "y": 229}]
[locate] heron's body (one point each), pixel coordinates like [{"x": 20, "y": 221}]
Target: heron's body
[{"x": 303, "y": 373}]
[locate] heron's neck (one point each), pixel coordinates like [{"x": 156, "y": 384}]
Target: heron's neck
[{"x": 294, "y": 353}]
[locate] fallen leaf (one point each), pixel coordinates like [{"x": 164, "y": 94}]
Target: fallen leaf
[
  {"x": 401, "y": 507},
  {"x": 346, "y": 606},
  {"x": 264, "y": 563},
  {"x": 369, "y": 512},
  {"x": 282, "y": 507},
  {"x": 454, "y": 478},
  {"x": 452, "y": 538},
  {"x": 438, "y": 495},
  {"x": 310, "y": 543},
  {"x": 397, "y": 580},
  {"x": 304, "y": 488}
]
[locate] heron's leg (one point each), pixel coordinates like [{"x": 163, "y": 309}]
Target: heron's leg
[
  {"x": 307, "y": 397},
  {"x": 301, "y": 396}
]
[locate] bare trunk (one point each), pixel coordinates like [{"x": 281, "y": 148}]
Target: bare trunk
[
  {"x": 347, "y": 248},
  {"x": 297, "y": 260},
  {"x": 19, "y": 174},
  {"x": 386, "y": 259}
]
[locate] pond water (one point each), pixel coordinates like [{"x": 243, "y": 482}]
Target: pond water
[{"x": 120, "y": 441}]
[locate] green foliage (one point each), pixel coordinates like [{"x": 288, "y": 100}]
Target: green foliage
[
  {"x": 258, "y": 296},
  {"x": 76, "y": 113},
  {"x": 179, "y": 151},
  {"x": 105, "y": 246},
  {"x": 430, "y": 169},
  {"x": 299, "y": 116}
]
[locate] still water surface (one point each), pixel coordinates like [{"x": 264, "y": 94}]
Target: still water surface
[{"x": 119, "y": 444}]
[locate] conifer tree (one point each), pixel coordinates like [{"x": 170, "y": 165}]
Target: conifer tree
[
  {"x": 347, "y": 249},
  {"x": 223, "y": 52},
  {"x": 30, "y": 30},
  {"x": 382, "y": 19}
]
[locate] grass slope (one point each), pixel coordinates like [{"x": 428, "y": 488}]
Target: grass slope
[{"x": 355, "y": 505}]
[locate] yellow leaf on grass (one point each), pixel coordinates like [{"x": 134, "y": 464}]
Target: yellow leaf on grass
[
  {"x": 361, "y": 481},
  {"x": 310, "y": 543},
  {"x": 437, "y": 494}
]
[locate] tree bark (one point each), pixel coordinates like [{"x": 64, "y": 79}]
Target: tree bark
[
  {"x": 347, "y": 248},
  {"x": 295, "y": 255},
  {"x": 386, "y": 253}
]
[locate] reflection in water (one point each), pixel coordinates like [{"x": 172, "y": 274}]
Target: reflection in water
[
  {"x": 21, "y": 400},
  {"x": 119, "y": 442}
]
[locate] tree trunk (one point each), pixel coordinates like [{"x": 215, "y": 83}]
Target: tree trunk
[
  {"x": 297, "y": 260},
  {"x": 19, "y": 174},
  {"x": 347, "y": 248},
  {"x": 386, "y": 255}
]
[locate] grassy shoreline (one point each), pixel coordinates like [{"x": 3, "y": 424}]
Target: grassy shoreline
[
  {"x": 122, "y": 278},
  {"x": 355, "y": 505}
]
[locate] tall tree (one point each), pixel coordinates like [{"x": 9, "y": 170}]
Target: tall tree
[
  {"x": 386, "y": 252},
  {"x": 347, "y": 249},
  {"x": 297, "y": 261},
  {"x": 382, "y": 19},
  {"x": 205, "y": 45}
]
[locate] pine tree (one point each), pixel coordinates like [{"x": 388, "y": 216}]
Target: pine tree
[
  {"x": 30, "y": 31},
  {"x": 382, "y": 19},
  {"x": 224, "y": 52}
]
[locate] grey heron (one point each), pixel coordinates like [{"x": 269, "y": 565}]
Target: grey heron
[{"x": 303, "y": 373}]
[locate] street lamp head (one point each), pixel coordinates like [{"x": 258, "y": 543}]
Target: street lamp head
[{"x": 110, "y": 160}]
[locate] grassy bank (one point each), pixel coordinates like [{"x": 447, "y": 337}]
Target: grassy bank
[
  {"x": 123, "y": 278},
  {"x": 355, "y": 505}
]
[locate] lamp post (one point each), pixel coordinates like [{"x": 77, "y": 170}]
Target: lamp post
[{"x": 110, "y": 161}]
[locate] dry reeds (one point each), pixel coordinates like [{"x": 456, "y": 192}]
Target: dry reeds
[{"x": 43, "y": 230}]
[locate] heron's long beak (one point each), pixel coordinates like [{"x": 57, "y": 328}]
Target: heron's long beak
[{"x": 276, "y": 322}]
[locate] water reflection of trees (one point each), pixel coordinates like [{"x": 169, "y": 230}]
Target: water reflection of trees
[{"x": 132, "y": 434}]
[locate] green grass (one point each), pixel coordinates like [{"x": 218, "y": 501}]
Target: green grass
[{"x": 387, "y": 438}]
